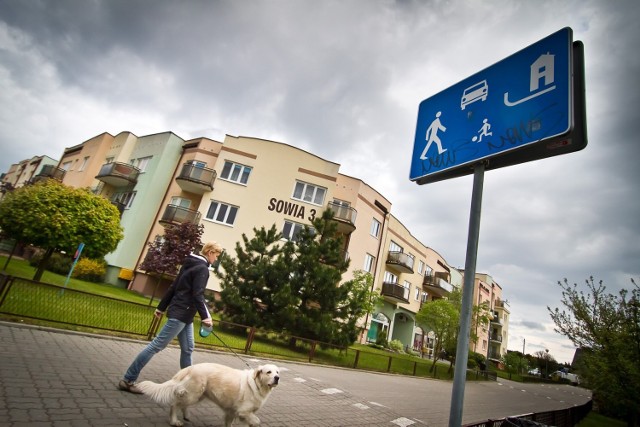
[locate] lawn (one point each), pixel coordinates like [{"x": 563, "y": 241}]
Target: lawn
[{"x": 106, "y": 309}]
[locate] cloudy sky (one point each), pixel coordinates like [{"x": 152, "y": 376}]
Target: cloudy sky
[{"x": 343, "y": 80}]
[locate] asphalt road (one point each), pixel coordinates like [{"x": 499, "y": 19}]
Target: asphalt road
[{"x": 50, "y": 377}]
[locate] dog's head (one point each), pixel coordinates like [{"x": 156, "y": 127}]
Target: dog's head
[{"x": 267, "y": 375}]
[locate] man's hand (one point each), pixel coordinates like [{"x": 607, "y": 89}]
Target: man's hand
[
  {"x": 207, "y": 322},
  {"x": 158, "y": 313}
]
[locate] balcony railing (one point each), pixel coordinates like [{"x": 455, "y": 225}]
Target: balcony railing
[
  {"x": 436, "y": 286},
  {"x": 496, "y": 338},
  {"x": 395, "y": 292},
  {"x": 400, "y": 261},
  {"x": 174, "y": 214},
  {"x": 49, "y": 171},
  {"x": 118, "y": 174},
  {"x": 345, "y": 216},
  {"x": 195, "y": 179}
]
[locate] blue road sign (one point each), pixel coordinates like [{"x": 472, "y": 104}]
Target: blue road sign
[{"x": 523, "y": 100}]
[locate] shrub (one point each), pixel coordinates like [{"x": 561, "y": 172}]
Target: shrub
[
  {"x": 58, "y": 263},
  {"x": 90, "y": 269},
  {"x": 381, "y": 339},
  {"x": 397, "y": 346}
]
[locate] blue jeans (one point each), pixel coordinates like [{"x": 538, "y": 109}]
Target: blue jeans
[{"x": 171, "y": 329}]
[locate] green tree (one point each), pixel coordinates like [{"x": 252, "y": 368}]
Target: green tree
[
  {"x": 55, "y": 217},
  {"x": 167, "y": 252},
  {"x": 514, "y": 362},
  {"x": 607, "y": 327},
  {"x": 295, "y": 286},
  {"x": 441, "y": 317}
]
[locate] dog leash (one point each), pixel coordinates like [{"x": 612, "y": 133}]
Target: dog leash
[{"x": 204, "y": 332}]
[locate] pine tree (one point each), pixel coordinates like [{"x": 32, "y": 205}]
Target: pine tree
[{"x": 295, "y": 287}]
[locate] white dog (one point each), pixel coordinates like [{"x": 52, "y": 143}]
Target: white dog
[{"x": 239, "y": 393}]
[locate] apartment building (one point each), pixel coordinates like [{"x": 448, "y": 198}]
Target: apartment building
[
  {"x": 25, "y": 172},
  {"x": 242, "y": 183},
  {"x": 493, "y": 336}
]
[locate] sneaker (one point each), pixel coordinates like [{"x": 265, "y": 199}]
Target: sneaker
[{"x": 125, "y": 385}]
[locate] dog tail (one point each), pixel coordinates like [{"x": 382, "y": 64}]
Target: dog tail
[{"x": 164, "y": 394}]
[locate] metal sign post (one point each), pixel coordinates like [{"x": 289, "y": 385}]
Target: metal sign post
[
  {"x": 462, "y": 350},
  {"x": 527, "y": 107}
]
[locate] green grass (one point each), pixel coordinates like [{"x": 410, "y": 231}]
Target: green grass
[
  {"x": 21, "y": 268},
  {"x": 118, "y": 311},
  {"x": 594, "y": 419}
]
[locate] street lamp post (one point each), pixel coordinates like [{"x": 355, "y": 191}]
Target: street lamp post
[{"x": 546, "y": 359}]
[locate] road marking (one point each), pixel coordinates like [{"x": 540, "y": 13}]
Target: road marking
[
  {"x": 300, "y": 380},
  {"x": 360, "y": 406},
  {"x": 331, "y": 391},
  {"x": 402, "y": 421},
  {"x": 377, "y": 404}
]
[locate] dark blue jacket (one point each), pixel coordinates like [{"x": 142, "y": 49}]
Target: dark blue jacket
[{"x": 185, "y": 296}]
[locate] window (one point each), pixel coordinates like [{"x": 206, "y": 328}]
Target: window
[
  {"x": 309, "y": 193},
  {"x": 375, "y": 228},
  {"x": 291, "y": 230},
  {"x": 197, "y": 163},
  {"x": 420, "y": 267},
  {"x": 425, "y": 296},
  {"x": 109, "y": 160},
  {"x": 125, "y": 199},
  {"x": 66, "y": 165},
  {"x": 390, "y": 277},
  {"x": 369, "y": 262},
  {"x": 180, "y": 201},
  {"x": 141, "y": 163},
  {"x": 394, "y": 247},
  {"x": 235, "y": 172},
  {"x": 84, "y": 163},
  {"x": 222, "y": 213},
  {"x": 428, "y": 271},
  {"x": 417, "y": 293}
]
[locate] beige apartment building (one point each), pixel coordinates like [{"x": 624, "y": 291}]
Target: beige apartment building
[
  {"x": 25, "y": 172},
  {"x": 242, "y": 183},
  {"x": 493, "y": 336}
]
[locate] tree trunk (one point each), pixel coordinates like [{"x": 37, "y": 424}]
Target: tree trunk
[
  {"x": 43, "y": 264},
  {"x": 6, "y": 264}
]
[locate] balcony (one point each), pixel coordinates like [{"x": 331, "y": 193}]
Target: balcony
[
  {"x": 436, "y": 286},
  {"x": 395, "y": 292},
  {"x": 196, "y": 180},
  {"x": 49, "y": 171},
  {"x": 344, "y": 216},
  {"x": 495, "y": 338},
  {"x": 495, "y": 320},
  {"x": 118, "y": 174},
  {"x": 400, "y": 261},
  {"x": 175, "y": 215}
]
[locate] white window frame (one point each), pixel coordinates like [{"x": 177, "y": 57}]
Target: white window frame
[
  {"x": 389, "y": 277},
  {"x": 242, "y": 175},
  {"x": 229, "y": 209},
  {"x": 369, "y": 262},
  {"x": 181, "y": 202},
  {"x": 375, "y": 228},
  {"x": 294, "y": 229},
  {"x": 84, "y": 164},
  {"x": 421, "y": 266},
  {"x": 309, "y": 193},
  {"x": 394, "y": 247},
  {"x": 125, "y": 199},
  {"x": 141, "y": 163}
]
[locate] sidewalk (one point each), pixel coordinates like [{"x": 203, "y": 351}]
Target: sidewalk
[{"x": 51, "y": 377}]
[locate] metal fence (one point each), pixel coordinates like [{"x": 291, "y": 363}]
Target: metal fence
[{"x": 561, "y": 418}]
